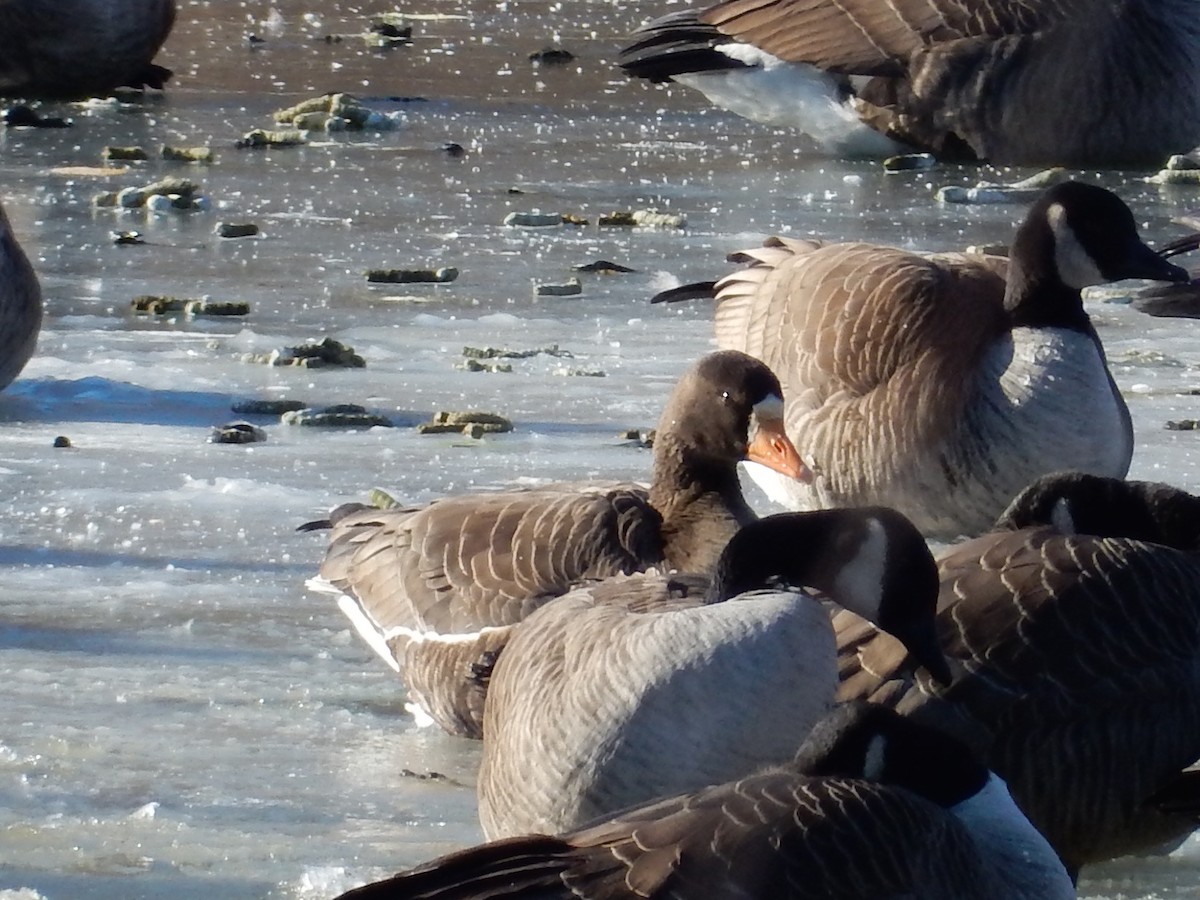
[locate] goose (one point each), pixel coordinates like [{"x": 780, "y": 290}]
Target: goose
[
  {"x": 74, "y": 49},
  {"x": 872, "y": 805},
  {"x": 627, "y": 690},
  {"x": 1079, "y": 503},
  {"x": 1076, "y": 664},
  {"x": 1011, "y": 83},
  {"x": 433, "y": 590},
  {"x": 20, "y": 305},
  {"x": 941, "y": 384}
]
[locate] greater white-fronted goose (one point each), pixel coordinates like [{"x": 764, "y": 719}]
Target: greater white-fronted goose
[
  {"x": 432, "y": 590},
  {"x": 20, "y": 305},
  {"x": 1076, "y": 663},
  {"x": 872, "y": 806},
  {"x": 73, "y": 49},
  {"x": 983, "y": 79},
  {"x": 624, "y": 691},
  {"x": 943, "y": 384}
]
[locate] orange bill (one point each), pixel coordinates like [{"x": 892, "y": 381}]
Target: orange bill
[{"x": 771, "y": 447}]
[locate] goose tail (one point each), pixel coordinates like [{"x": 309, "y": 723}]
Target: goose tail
[{"x": 697, "y": 290}]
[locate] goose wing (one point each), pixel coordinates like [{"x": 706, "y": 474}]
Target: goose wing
[
  {"x": 436, "y": 591},
  {"x": 860, "y": 332},
  {"x": 468, "y": 562},
  {"x": 866, "y": 37},
  {"x": 450, "y": 678},
  {"x": 1077, "y": 678},
  {"x": 776, "y": 834}
]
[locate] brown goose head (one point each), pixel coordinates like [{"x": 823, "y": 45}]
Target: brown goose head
[
  {"x": 870, "y": 560},
  {"x": 1075, "y": 235},
  {"x": 727, "y": 408}
]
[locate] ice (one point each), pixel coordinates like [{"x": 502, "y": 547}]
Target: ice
[{"x": 182, "y": 717}]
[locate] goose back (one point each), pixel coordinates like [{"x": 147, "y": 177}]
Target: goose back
[
  {"x": 1077, "y": 679},
  {"x": 871, "y": 340},
  {"x": 629, "y": 689},
  {"x": 20, "y": 305},
  {"x": 434, "y": 590},
  {"x": 72, "y": 49},
  {"x": 620, "y": 706}
]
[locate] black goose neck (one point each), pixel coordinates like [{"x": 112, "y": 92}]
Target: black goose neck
[
  {"x": 781, "y": 550},
  {"x": 1035, "y": 296}
]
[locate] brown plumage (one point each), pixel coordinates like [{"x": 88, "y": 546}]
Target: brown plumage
[
  {"x": 636, "y": 688},
  {"x": 73, "y": 49},
  {"x": 431, "y": 582},
  {"x": 1002, "y": 80},
  {"x": 942, "y": 384},
  {"x": 873, "y": 806},
  {"x": 1077, "y": 679},
  {"x": 20, "y": 305}
]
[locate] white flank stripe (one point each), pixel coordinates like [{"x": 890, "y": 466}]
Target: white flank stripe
[
  {"x": 367, "y": 629},
  {"x": 321, "y": 586},
  {"x": 421, "y": 718}
]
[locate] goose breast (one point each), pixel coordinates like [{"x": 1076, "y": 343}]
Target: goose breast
[{"x": 20, "y": 305}]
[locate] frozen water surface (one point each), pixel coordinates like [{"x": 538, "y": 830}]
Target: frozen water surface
[{"x": 182, "y": 718}]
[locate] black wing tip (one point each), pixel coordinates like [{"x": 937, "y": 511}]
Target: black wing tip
[
  {"x": 699, "y": 290},
  {"x": 676, "y": 44},
  {"x": 335, "y": 515}
]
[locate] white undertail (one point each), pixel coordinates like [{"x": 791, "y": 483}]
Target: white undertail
[{"x": 793, "y": 96}]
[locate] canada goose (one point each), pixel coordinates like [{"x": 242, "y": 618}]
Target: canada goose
[
  {"x": 621, "y": 692},
  {"x": 432, "y": 589},
  {"x": 1076, "y": 663},
  {"x": 73, "y": 49},
  {"x": 942, "y": 384},
  {"x": 873, "y": 805},
  {"x": 20, "y": 305},
  {"x": 1078, "y": 503},
  {"x": 1007, "y": 82}
]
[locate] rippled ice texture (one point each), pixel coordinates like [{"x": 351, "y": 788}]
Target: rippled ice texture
[{"x": 182, "y": 718}]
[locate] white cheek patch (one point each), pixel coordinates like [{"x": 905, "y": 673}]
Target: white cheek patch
[
  {"x": 862, "y": 577},
  {"x": 1061, "y": 518},
  {"x": 873, "y": 764},
  {"x": 1075, "y": 266}
]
